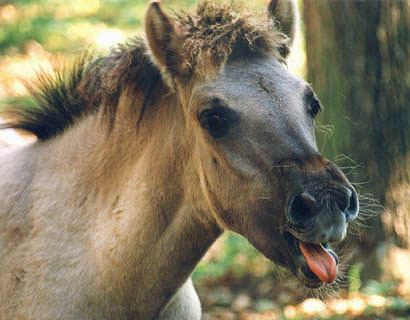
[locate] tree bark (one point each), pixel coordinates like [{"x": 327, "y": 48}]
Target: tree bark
[{"x": 358, "y": 56}]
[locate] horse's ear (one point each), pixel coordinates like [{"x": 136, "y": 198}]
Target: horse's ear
[
  {"x": 164, "y": 40},
  {"x": 284, "y": 15}
]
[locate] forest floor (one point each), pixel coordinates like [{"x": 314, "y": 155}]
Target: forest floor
[{"x": 265, "y": 299}]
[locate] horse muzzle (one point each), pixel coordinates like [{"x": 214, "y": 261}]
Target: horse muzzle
[
  {"x": 322, "y": 216},
  {"x": 317, "y": 217}
]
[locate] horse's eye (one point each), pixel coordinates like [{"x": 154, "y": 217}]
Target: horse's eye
[
  {"x": 314, "y": 107},
  {"x": 216, "y": 121}
]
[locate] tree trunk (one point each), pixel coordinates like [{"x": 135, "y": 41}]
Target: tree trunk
[{"x": 358, "y": 56}]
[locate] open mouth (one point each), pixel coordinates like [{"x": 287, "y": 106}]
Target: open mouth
[{"x": 314, "y": 264}]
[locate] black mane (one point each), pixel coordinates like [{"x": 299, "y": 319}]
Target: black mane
[{"x": 88, "y": 85}]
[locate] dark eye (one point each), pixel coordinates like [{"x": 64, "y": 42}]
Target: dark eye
[
  {"x": 217, "y": 120},
  {"x": 312, "y": 102},
  {"x": 314, "y": 107}
]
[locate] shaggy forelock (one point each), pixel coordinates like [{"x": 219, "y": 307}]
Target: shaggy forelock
[{"x": 216, "y": 33}]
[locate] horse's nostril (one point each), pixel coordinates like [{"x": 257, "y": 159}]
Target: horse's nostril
[
  {"x": 302, "y": 207},
  {"x": 352, "y": 209}
]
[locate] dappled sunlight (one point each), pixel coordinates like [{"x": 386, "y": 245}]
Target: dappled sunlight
[
  {"x": 356, "y": 307},
  {"x": 85, "y": 8},
  {"x": 20, "y": 69},
  {"x": 8, "y": 13},
  {"x": 106, "y": 39},
  {"x": 400, "y": 259},
  {"x": 297, "y": 58}
]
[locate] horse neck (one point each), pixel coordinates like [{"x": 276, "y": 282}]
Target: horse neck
[{"x": 146, "y": 215}]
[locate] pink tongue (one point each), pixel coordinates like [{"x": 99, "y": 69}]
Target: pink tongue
[{"x": 319, "y": 261}]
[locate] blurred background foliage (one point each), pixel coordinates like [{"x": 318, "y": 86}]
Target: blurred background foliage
[
  {"x": 357, "y": 58},
  {"x": 70, "y": 26}
]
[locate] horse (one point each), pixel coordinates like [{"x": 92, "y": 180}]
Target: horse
[{"x": 143, "y": 157}]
